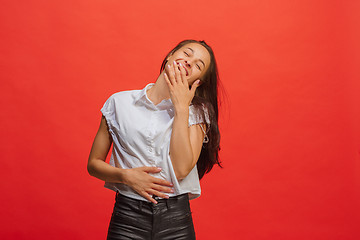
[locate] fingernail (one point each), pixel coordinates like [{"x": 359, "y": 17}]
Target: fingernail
[
  {"x": 197, "y": 82},
  {"x": 166, "y": 196},
  {"x": 168, "y": 65},
  {"x": 180, "y": 64},
  {"x": 159, "y": 169}
]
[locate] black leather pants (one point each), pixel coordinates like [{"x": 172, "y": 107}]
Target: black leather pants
[{"x": 135, "y": 219}]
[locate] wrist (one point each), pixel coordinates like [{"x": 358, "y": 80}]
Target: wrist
[
  {"x": 182, "y": 110},
  {"x": 122, "y": 175}
]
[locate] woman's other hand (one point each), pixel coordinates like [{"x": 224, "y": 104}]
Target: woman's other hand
[
  {"x": 181, "y": 95},
  {"x": 146, "y": 185}
]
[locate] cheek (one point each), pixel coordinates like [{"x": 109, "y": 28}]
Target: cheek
[
  {"x": 192, "y": 78},
  {"x": 196, "y": 74}
]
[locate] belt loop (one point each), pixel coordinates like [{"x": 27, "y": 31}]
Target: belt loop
[
  {"x": 140, "y": 205},
  {"x": 167, "y": 203}
]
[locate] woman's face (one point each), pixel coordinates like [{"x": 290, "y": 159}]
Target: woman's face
[{"x": 194, "y": 57}]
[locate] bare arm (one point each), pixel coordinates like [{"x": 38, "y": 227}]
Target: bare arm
[
  {"x": 97, "y": 166},
  {"x": 185, "y": 142},
  {"x": 137, "y": 178}
]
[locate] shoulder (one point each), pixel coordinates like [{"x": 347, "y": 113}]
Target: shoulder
[
  {"x": 120, "y": 99},
  {"x": 125, "y": 94}
]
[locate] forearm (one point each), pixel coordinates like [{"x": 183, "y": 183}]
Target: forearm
[
  {"x": 181, "y": 152},
  {"x": 103, "y": 171}
]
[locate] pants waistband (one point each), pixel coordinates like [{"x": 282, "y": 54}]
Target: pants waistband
[{"x": 181, "y": 197}]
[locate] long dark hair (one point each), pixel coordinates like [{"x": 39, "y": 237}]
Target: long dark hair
[{"x": 206, "y": 95}]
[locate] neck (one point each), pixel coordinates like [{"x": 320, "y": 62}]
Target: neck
[{"x": 159, "y": 91}]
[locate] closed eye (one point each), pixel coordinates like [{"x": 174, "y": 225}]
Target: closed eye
[{"x": 188, "y": 56}]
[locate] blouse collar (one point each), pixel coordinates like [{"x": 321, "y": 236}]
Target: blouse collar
[{"x": 143, "y": 99}]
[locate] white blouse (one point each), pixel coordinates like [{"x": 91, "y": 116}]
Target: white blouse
[{"x": 141, "y": 133}]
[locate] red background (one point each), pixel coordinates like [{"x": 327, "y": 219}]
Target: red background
[{"x": 290, "y": 131}]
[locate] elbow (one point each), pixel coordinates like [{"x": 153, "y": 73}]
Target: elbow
[
  {"x": 180, "y": 176},
  {"x": 182, "y": 173},
  {"x": 90, "y": 169},
  {"x": 182, "y": 165}
]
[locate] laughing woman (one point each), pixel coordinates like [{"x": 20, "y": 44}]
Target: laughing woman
[{"x": 165, "y": 138}]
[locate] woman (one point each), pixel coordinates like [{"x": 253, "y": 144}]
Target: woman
[{"x": 165, "y": 138}]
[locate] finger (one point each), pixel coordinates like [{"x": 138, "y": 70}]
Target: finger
[
  {"x": 168, "y": 81},
  {"x": 151, "y": 169},
  {"x": 148, "y": 197},
  {"x": 157, "y": 193},
  {"x": 194, "y": 86},
  {"x": 183, "y": 74},
  {"x": 177, "y": 73},
  {"x": 162, "y": 182},
  {"x": 171, "y": 74},
  {"x": 162, "y": 189}
]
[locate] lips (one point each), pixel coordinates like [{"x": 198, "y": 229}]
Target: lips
[{"x": 187, "y": 72}]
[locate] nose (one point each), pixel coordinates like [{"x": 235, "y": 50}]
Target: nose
[{"x": 187, "y": 64}]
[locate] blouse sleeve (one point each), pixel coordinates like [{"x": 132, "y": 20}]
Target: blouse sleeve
[
  {"x": 109, "y": 112},
  {"x": 196, "y": 116}
]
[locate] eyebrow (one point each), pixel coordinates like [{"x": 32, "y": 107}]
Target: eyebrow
[{"x": 199, "y": 59}]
